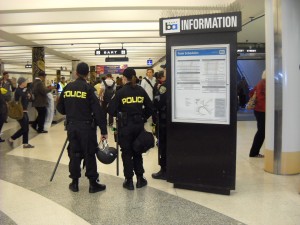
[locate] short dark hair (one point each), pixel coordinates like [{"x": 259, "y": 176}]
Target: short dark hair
[
  {"x": 5, "y": 72},
  {"x": 160, "y": 74},
  {"x": 129, "y": 73},
  {"x": 151, "y": 70},
  {"x": 108, "y": 75},
  {"x": 82, "y": 69}
]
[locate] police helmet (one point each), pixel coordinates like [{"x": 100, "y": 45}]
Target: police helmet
[{"x": 106, "y": 154}]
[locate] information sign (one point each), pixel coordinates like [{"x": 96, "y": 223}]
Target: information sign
[{"x": 200, "y": 84}]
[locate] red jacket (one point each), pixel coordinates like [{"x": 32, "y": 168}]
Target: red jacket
[{"x": 260, "y": 89}]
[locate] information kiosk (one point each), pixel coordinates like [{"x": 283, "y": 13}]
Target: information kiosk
[{"x": 202, "y": 100}]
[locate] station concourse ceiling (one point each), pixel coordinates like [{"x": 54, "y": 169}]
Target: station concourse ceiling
[{"x": 72, "y": 30}]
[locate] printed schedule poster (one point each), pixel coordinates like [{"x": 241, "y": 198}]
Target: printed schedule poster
[{"x": 200, "y": 84}]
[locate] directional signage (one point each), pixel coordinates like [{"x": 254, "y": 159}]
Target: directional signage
[
  {"x": 116, "y": 59},
  {"x": 149, "y": 62},
  {"x": 110, "y": 52}
]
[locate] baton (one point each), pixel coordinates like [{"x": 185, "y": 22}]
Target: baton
[
  {"x": 157, "y": 124},
  {"x": 117, "y": 143},
  {"x": 62, "y": 151}
]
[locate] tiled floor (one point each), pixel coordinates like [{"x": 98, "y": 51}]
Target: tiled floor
[{"x": 28, "y": 197}]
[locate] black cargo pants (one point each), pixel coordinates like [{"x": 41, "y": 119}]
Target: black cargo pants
[
  {"x": 83, "y": 142},
  {"x": 162, "y": 143},
  {"x": 132, "y": 161}
]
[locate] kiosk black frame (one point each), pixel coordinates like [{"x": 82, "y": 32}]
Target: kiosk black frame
[{"x": 202, "y": 156}]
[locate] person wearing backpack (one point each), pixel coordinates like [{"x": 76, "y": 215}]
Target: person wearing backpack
[
  {"x": 148, "y": 83},
  {"x": 107, "y": 91}
]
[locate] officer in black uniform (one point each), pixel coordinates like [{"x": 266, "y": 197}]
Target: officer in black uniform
[
  {"x": 160, "y": 104},
  {"x": 127, "y": 105},
  {"x": 80, "y": 104}
]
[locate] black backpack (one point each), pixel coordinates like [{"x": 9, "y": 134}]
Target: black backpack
[{"x": 109, "y": 91}]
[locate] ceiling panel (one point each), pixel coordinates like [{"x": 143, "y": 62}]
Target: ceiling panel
[{"x": 72, "y": 30}]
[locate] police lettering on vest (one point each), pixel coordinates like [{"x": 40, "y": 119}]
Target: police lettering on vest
[
  {"x": 75, "y": 94},
  {"x": 130, "y": 100}
]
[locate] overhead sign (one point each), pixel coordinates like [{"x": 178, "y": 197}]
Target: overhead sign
[
  {"x": 221, "y": 22},
  {"x": 110, "y": 52},
  {"x": 149, "y": 62},
  {"x": 112, "y": 69},
  {"x": 116, "y": 59},
  {"x": 252, "y": 50},
  {"x": 28, "y": 66}
]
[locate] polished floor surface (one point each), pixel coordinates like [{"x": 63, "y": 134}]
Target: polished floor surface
[{"x": 28, "y": 197}]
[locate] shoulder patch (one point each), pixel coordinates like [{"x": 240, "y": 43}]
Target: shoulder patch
[{"x": 162, "y": 89}]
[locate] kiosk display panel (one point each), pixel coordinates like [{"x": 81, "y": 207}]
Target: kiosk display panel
[{"x": 201, "y": 84}]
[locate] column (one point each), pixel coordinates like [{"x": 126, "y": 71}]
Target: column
[
  {"x": 74, "y": 66},
  {"x": 38, "y": 61},
  {"x": 282, "y": 143}
]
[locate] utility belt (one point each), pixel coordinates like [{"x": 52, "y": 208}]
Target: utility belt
[
  {"x": 124, "y": 119},
  {"x": 81, "y": 123}
]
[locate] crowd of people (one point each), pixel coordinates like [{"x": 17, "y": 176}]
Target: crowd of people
[
  {"x": 35, "y": 93},
  {"x": 130, "y": 99}
]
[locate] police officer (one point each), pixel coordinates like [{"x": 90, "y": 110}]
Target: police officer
[
  {"x": 160, "y": 104},
  {"x": 128, "y": 104},
  {"x": 80, "y": 104}
]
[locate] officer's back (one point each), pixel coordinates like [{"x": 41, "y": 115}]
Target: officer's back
[
  {"x": 131, "y": 99},
  {"x": 128, "y": 104},
  {"x": 78, "y": 100},
  {"x": 79, "y": 103}
]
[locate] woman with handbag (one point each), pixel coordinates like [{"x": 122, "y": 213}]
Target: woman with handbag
[
  {"x": 259, "y": 112},
  {"x": 22, "y": 93}
]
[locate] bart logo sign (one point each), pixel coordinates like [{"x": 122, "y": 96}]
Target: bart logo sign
[{"x": 171, "y": 26}]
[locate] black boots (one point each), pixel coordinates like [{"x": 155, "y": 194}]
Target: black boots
[
  {"x": 96, "y": 187},
  {"x": 128, "y": 184},
  {"x": 160, "y": 175},
  {"x": 74, "y": 185},
  {"x": 141, "y": 182}
]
